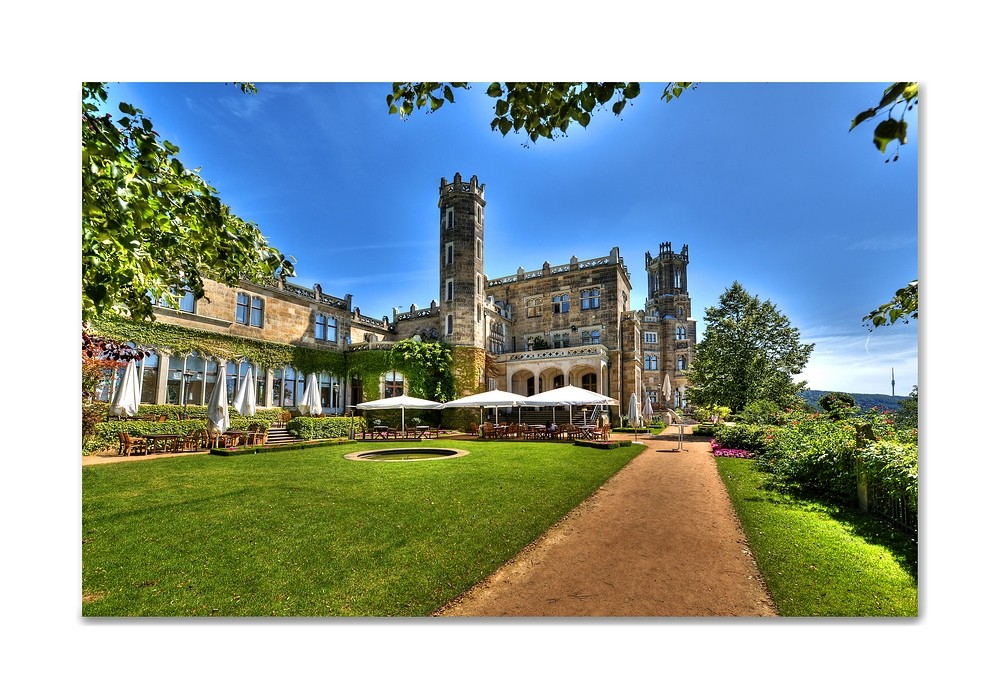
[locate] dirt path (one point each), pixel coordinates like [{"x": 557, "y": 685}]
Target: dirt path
[{"x": 660, "y": 538}]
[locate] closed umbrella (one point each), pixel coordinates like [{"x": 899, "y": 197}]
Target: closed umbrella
[
  {"x": 634, "y": 416},
  {"x": 310, "y": 402},
  {"x": 218, "y": 409},
  {"x": 126, "y": 399},
  {"x": 647, "y": 410},
  {"x": 667, "y": 398},
  {"x": 245, "y": 402}
]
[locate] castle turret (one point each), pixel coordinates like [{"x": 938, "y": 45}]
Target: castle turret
[{"x": 463, "y": 283}]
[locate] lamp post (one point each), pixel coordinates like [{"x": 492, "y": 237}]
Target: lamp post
[{"x": 185, "y": 377}]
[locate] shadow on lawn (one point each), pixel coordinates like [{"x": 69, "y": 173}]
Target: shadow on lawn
[{"x": 873, "y": 530}]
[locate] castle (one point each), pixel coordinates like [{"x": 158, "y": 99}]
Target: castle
[{"x": 526, "y": 332}]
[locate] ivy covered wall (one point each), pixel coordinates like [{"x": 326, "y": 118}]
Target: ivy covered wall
[{"x": 429, "y": 367}]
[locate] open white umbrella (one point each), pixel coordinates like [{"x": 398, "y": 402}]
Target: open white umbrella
[
  {"x": 401, "y": 402},
  {"x": 218, "y": 408},
  {"x": 126, "y": 399},
  {"x": 310, "y": 402},
  {"x": 569, "y": 396},
  {"x": 245, "y": 402},
  {"x": 488, "y": 399}
]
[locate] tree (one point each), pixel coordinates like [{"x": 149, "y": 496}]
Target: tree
[
  {"x": 898, "y": 95},
  {"x": 151, "y": 227},
  {"x": 839, "y": 406},
  {"x": 906, "y": 416},
  {"x": 903, "y": 306},
  {"x": 541, "y": 109},
  {"x": 548, "y": 109},
  {"x": 750, "y": 352}
]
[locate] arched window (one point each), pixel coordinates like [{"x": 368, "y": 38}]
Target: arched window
[
  {"x": 393, "y": 384},
  {"x": 589, "y": 382},
  {"x": 682, "y": 332}
]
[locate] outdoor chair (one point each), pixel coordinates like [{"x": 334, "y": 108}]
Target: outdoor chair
[
  {"x": 259, "y": 436},
  {"x": 132, "y": 445},
  {"x": 488, "y": 431}
]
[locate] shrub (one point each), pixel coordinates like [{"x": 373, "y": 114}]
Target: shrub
[
  {"x": 324, "y": 427},
  {"x": 814, "y": 456},
  {"x": 752, "y": 438},
  {"x": 838, "y": 406}
]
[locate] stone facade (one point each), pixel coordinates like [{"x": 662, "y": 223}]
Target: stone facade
[{"x": 526, "y": 332}]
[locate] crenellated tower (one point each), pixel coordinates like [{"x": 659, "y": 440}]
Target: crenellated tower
[
  {"x": 669, "y": 335},
  {"x": 463, "y": 282}
]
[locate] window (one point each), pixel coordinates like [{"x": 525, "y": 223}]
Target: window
[
  {"x": 656, "y": 282},
  {"x": 560, "y": 339},
  {"x": 449, "y": 218},
  {"x": 479, "y": 283},
  {"x": 649, "y": 338},
  {"x": 479, "y": 213},
  {"x": 590, "y": 337},
  {"x": 589, "y": 382},
  {"x": 560, "y": 303},
  {"x": 649, "y": 363},
  {"x": 590, "y": 298},
  {"x": 558, "y": 381},
  {"x": 329, "y": 391},
  {"x": 393, "y": 384},
  {"x": 287, "y": 385},
  {"x": 534, "y": 308},
  {"x": 449, "y": 324},
  {"x": 681, "y": 362},
  {"x": 184, "y": 298},
  {"x": 677, "y": 279},
  {"x": 326, "y": 328},
  {"x": 449, "y": 253},
  {"x": 681, "y": 332},
  {"x": 249, "y": 310},
  {"x": 449, "y": 290},
  {"x": 479, "y": 249}
]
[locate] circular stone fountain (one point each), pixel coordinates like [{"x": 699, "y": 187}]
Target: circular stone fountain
[{"x": 406, "y": 454}]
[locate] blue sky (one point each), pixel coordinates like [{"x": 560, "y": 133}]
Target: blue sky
[{"x": 762, "y": 181}]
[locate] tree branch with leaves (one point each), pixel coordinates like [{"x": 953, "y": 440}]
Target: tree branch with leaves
[{"x": 151, "y": 227}]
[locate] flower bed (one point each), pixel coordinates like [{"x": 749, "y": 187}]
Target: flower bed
[{"x": 734, "y": 453}]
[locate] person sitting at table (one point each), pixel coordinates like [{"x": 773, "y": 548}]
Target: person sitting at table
[{"x": 550, "y": 428}]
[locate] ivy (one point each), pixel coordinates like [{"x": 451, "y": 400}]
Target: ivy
[{"x": 428, "y": 366}]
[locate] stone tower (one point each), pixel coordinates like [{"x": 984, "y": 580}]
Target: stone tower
[
  {"x": 668, "y": 315},
  {"x": 463, "y": 282}
]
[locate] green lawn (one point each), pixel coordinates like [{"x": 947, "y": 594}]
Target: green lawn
[
  {"x": 819, "y": 560},
  {"x": 309, "y": 533}
]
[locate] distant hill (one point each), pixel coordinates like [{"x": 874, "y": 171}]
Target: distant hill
[{"x": 865, "y": 401}]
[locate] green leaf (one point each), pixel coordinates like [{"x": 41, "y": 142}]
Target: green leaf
[
  {"x": 502, "y": 107},
  {"x": 494, "y": 90}
]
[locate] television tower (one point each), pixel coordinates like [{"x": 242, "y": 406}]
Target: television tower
[{"x": 893, "y": 381}]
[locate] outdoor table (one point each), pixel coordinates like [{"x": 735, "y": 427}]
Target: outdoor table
[
  {"x": 241, "y": 437},
  {"x": 587, "y": 431},
  {"x": 160, "y": 441},
  {"x": 380, "y": 432}
]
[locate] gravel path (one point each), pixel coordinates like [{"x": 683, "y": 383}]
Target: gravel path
[{"x": 660, "y": 538}]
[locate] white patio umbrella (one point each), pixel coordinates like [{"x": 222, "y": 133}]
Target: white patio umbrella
[
  {"x": 218, "y": 408},
  {"x": 647, "y": 410},
  {"x": 634, "y": 416},
  {"x": 245, "y": 402},
  {"x": 401, "y": 402},
  {"x": 310, "y": 402},
  {"x": 569, "y": 396},
  {"x": 667, "y": 398},
  {"x": 126, "y": 399},
  {"x": 489, "y": 399}
]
